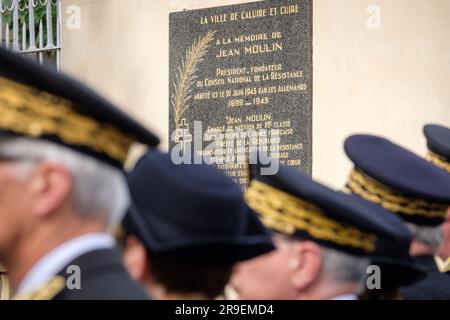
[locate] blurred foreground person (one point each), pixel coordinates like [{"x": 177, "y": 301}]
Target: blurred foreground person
[
  {"x": 438, "y": 142},
  {"x": 412, "y": 188},
  {"x": 62, "y": 149},
  {"x": 187, "y": 228},
  {"x": 324, "y": 239}
]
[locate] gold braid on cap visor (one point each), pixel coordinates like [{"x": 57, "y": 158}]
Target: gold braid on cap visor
[
  {"x": 34, "y": 113},
  {"x": 439, "y": 161},
  {"x": 285, "y": 213},
  {"x": 374, "y": 191}
]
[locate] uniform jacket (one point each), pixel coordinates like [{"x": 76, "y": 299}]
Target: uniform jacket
[
  {"x": 435, "y": 286},
  {"x": 103, "y": 277}
]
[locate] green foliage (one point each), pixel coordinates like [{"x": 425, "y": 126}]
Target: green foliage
[{"x": 39, "y": 15}]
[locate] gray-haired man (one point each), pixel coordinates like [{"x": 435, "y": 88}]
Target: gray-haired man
[
  {"x": 324, "y": 240},
  {"x": 62, "y": 149}
]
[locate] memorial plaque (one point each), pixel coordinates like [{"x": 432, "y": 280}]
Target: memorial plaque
[{"x": 242, "y": 68}]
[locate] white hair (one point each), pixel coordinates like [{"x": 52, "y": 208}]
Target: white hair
[
  {"x": 341, "y": 267},
  {"x": 431, "y": 236},
  {"x": 98, "y": 187}
]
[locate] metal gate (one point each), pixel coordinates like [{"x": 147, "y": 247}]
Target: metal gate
[{"x": 32, "y": 28}]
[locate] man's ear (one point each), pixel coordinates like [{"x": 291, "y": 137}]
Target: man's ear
[
  {"x": 51, "y": 185},
  {"x": 306, "y": 263},
  {"x": 136, "y": 259}
]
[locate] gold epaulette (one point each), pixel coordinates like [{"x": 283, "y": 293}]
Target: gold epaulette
[
  {"x": 47, "y": 292},
  {"x": 4, "y": 286},
  {"x": 443, "y": 266}
]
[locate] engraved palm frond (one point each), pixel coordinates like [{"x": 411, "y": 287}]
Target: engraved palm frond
[{"x": 186, "y": 75}]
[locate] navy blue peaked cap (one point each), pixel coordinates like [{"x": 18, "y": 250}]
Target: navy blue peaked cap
[
  {"x": 438, "y": 141},
  {"x": 192, "y": 213},
  {"x": 398, "y": 180},
  {"x": 291, "y": 203},
  {"x": 38, "y": 102}
]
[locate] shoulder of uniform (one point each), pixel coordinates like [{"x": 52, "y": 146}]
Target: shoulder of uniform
[{"x": 47, "y": 292}]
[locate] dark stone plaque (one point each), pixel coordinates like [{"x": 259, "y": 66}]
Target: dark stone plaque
[{"x": 243, "y": 67}]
